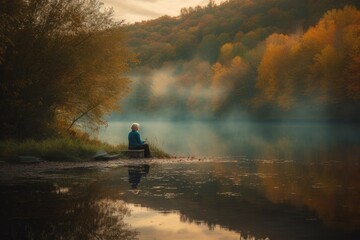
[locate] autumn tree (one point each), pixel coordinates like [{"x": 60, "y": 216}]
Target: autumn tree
[
  {"x": 275, "y": 81},
  {"x": 227, "y": 79},
  {"x": 352, "y": 70},
  {"x": 61, "y": 68},
  {"x": 320, "y": 66},
  {"x": 208, "y": 48}
]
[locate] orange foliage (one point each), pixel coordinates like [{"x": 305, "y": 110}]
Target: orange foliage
[
  {"x": 322, "y": 64},
  {"x": 274, "y": 78},
  {"x": 224, "y": 79}
]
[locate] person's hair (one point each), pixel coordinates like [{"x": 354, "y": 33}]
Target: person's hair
[{"x": 135, "y": 126}]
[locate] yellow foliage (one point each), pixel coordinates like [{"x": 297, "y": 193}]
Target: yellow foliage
[
  {"x": 94, "y": 87},
  {"x": 320, "y": 64},
  {"x": 224, "y": 79},
  {"x": 274, "y": 80},
  {"x": 217, "y": 85},
  {"x": 226, "y": 52}
]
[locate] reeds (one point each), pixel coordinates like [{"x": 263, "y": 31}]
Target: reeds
[{"x": 62, "y": 149}]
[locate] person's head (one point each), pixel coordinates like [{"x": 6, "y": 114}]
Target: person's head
[{"x": 135, "y": 126}]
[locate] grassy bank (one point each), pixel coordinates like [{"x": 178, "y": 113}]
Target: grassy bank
[{"x": 62, "y": 149}]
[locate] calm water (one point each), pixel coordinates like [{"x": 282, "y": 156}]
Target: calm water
[
  {"x": 289, "y": 141},
  {"x": 260, "y": 181}
]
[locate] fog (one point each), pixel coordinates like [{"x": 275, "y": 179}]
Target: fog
[
  {"x": 183, "y": 118},
  {"x": 185, "y": 115},
  {"x": 162, "y": 94},
  {"x": 243, "y": 139}
]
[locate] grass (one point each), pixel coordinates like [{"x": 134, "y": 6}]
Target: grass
[
  {"x": 157, "y": 152},
  {"x": 62, "y": 149}
]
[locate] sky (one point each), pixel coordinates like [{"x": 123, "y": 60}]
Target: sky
[
  {"x": 138, "y": 10},
  {"x": 150, "y": 223}
]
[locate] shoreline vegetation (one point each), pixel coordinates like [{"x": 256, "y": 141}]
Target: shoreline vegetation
[
  {"x": 63, "y": 149},
  {"x": 67, "y": 65}
]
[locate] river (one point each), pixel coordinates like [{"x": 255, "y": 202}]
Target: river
[{"x": 245, "y": 181}]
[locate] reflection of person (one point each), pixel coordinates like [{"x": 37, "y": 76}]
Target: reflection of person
[
  {"x": 135, "y": 142},
  {"x": 135, "y": 174}
]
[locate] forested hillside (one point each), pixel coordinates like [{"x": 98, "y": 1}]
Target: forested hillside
[{"x": 267, "y": 59}]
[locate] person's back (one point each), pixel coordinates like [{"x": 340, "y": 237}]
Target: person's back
[
  {"x": 134, "y": 139},
  {"x": 135, "y": 142}
]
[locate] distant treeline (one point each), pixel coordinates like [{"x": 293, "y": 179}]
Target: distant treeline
[{"x": 277, "y": 59}]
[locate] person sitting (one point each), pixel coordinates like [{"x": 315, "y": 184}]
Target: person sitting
[
  {"x": 136, "y": 173},
  {"x": 135, "y": 142}
]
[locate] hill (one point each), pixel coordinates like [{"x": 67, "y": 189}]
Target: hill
[{"x": 269, "y": 59}]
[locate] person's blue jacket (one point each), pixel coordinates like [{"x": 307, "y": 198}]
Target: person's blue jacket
[{"x": 134, "y": 140}]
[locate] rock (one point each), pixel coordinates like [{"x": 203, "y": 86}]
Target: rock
[
  {"x": 29, "y": 159},
  {"x": 103, "y": 155},
  {"x": 100, "y": 154}
]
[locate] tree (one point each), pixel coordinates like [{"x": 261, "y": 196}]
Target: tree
[
  {"x": 275, "y": 79},
  {"x": 329, "y": 69},
  {"x": 352, "y": 71},
  {"x": 226, "y": 52},
  {"x": 332, "y": 44},
  {"x": 211, "y": 4},
  {"x": 208, "y": 48},
  {"x": 62, "y": 66},
  {"x": 227, "y": 79}
]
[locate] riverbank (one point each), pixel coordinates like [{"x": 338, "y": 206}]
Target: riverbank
[
  {"x": 11, "y": 173},
  {"x": 63, "y": 149}
]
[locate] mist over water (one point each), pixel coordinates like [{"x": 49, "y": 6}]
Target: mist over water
[{"x": 253, "y": 140}]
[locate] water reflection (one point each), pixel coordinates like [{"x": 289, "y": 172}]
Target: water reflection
[
  {"x": 231, "y": 199},
  {"x": 168, "y": 225},
  {"x": 136, "y": 172},
  {"x": 288, "y": 189},
  {"x": 67, "y": 210},
  {"x": 330, "y": 188},
  {"x": 266, "y": 198}
]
